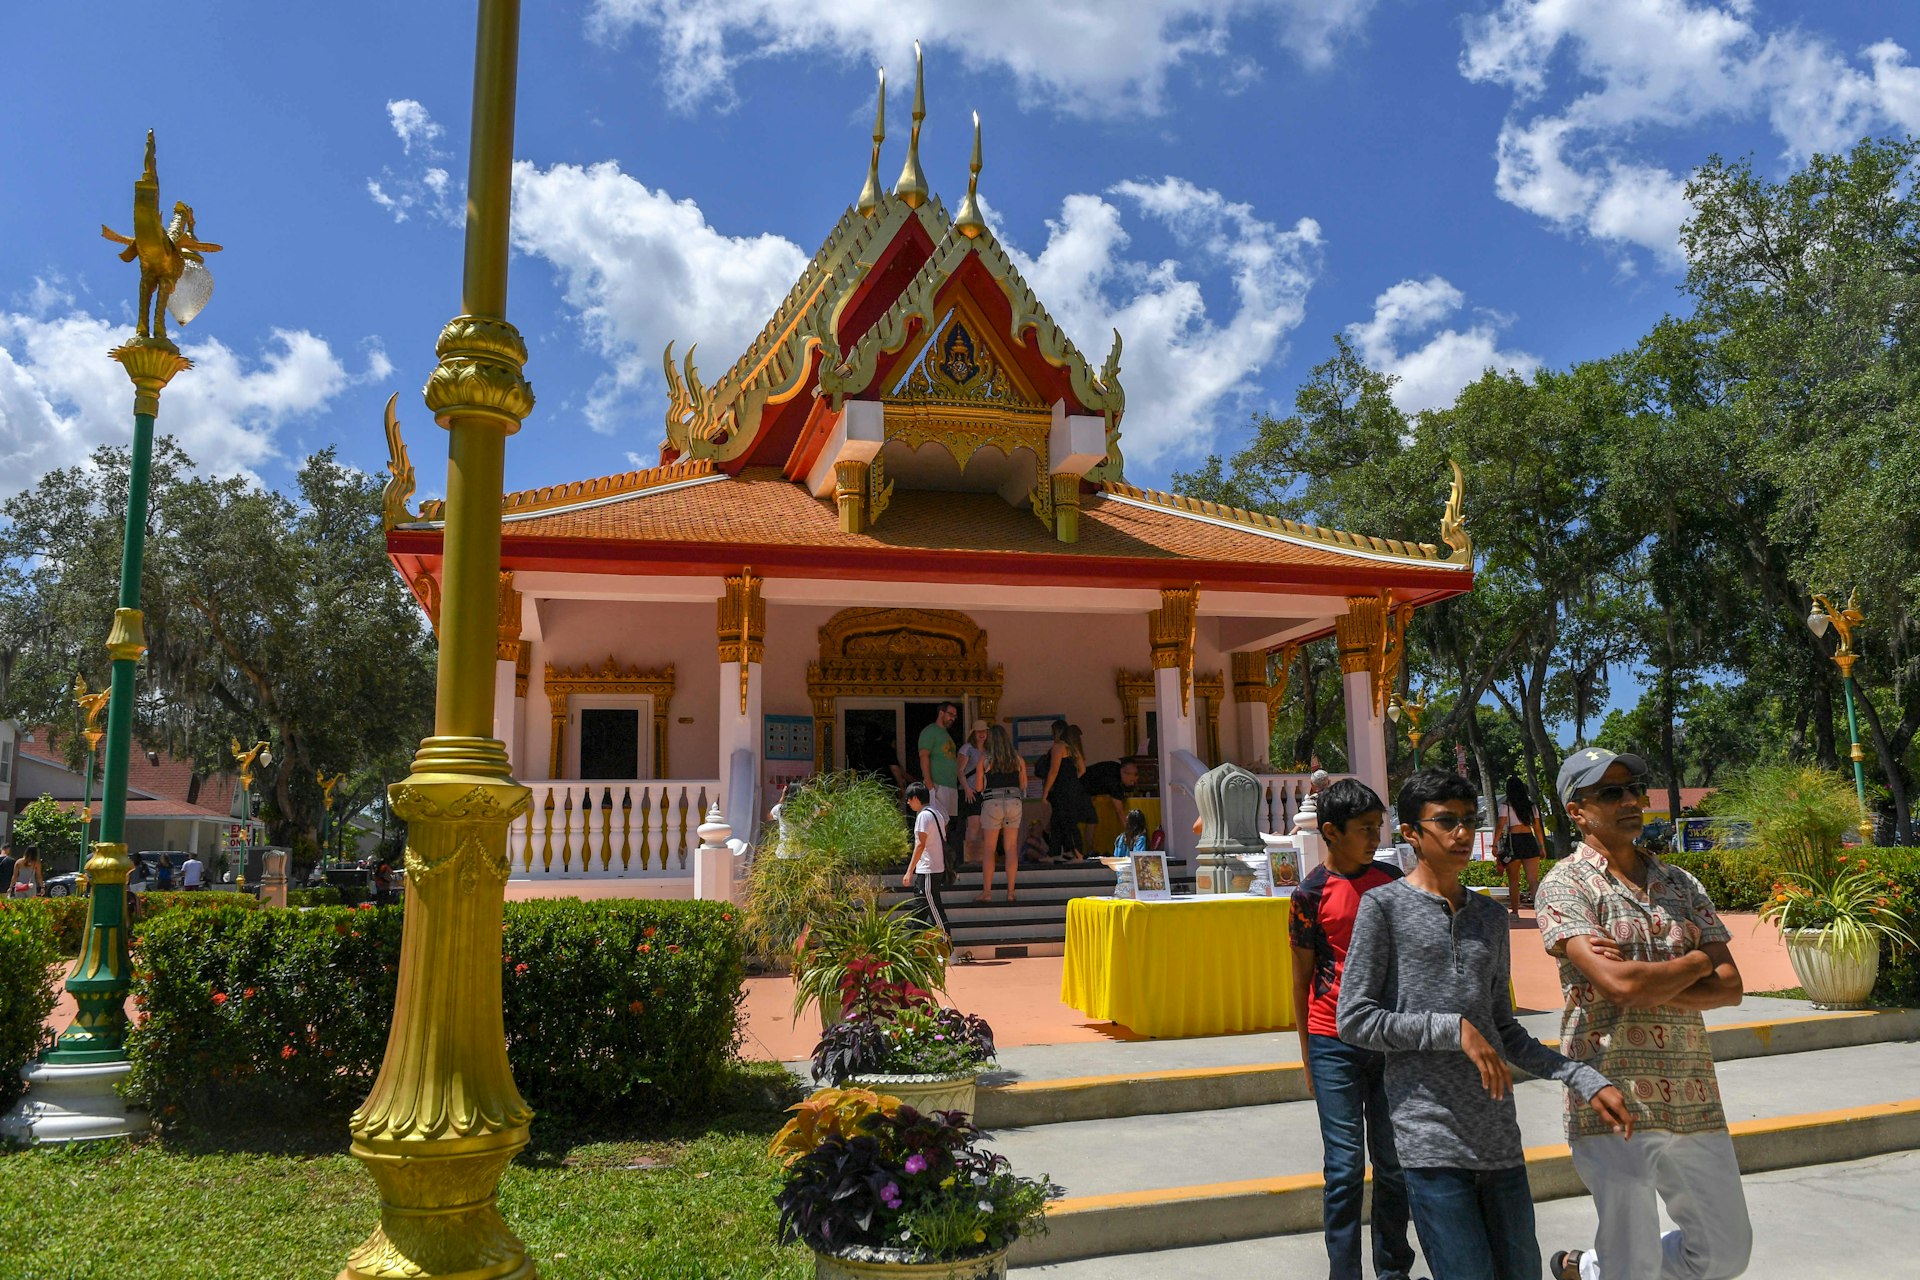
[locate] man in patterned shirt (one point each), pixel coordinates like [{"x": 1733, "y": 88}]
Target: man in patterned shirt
[{"x": 1642, "y": 952}]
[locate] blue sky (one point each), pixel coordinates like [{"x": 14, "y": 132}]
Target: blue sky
[{"x": 1230, "y": 184}]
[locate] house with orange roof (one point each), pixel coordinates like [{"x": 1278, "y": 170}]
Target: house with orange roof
[{"x": 909, "y": 488}]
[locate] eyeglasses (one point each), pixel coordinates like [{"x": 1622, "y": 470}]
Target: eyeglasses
[
  {"x": 1615, "y": 792},
  {"x": 1447, "y": 822}
]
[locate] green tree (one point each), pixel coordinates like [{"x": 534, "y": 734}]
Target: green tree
[
  {"x": 268, "y": 617},
  {"x": 54, "y": 833}
]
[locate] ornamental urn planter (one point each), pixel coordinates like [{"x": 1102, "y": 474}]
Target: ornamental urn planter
[
  {"x": 1834, "y": 978},
  {"x": 874, "y": 1265},
  {"x": 925, "y": 1094}
]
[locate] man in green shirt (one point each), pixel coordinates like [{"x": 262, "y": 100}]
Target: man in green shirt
[{"x": 940, "y": 760}]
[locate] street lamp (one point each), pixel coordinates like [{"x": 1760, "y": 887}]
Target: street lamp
[
  {"x": 1413, "y": 710},
  {"x": 260, "y": 755},
  {"x": 1843, "y": 621},
  {"x": 73, "y": 1084},
  {"x": 329, "y": 829}
]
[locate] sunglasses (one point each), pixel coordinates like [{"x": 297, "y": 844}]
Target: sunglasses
[
  {"x": 1614, "y": 793},
  {"x": 1447, "y": 822}
]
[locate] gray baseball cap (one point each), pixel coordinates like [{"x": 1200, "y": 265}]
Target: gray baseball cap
[{"x": 1588, "y": 765}]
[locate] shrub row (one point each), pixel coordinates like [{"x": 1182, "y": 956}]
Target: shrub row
[
  {"x": 68, "y": 916},
  {"x": 28, "y": 984},
  {"x": 624, "y": 1006}
]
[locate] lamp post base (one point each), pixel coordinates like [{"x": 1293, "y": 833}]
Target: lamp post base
[{"x": 73, "y": 1103}]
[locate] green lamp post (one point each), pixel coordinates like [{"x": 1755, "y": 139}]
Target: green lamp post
[
  {"x": 1843, "y": 621},
  {"x": 71, "y": 1095}
]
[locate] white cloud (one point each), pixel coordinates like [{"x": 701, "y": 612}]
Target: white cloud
[
  {"x": 1092, "y": 57},
  {"x": 426, "y": 186},
  {"x": 1642, "y": 66},
  {"x": 643, "y": 269},
  {"x": 60, "y": 397},
  {"x": 1432, "y": 373},
  {"x": 1181, "y": 367}
]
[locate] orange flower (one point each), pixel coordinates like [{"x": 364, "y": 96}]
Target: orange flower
[
  {"x": 219, "y": 997},
  {"x": 644, "y": 948},
  {"x": 648, "y": 932},
  {"x": 635, "y": 1007},
  {"x": 287, "y": 1051}
]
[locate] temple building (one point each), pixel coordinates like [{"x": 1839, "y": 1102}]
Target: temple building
[{"x": 909, "y": 488}]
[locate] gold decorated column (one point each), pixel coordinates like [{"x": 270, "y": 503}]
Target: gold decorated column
[{"x": 444, "y": 1116}]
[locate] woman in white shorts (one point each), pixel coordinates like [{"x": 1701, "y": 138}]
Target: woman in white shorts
[{"x": 1000, "y": 778}]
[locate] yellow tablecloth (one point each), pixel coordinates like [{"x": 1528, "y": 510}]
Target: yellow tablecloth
[{"x": 1191, "y": 967}]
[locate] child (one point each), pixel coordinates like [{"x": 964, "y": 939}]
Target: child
[
  {"x": 1134, "y": 838},
  {"x": 929, "y": 857},
  {"x": 1348, "y": 1084},
  {"x": 1426, "y": 982}
]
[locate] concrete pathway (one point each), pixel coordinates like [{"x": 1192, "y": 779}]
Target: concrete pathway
[
  {"x": 1020, "y": 999},
  {"x": 1858, "y": 1220}
]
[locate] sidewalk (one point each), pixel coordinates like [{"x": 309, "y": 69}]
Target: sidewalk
[{"x": 1020, "y": 999}]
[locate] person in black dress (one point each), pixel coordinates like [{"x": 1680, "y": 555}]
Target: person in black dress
[{"x": 1068, "y": 798}]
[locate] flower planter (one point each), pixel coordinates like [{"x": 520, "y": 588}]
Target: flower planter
[
  {"x": 925, "y": 1094},
  {"x": 1833, "y": 979},
  {"x": 985, "y": 1266}
]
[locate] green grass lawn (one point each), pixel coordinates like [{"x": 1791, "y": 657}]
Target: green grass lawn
[{"x": 684, "y": 1200}]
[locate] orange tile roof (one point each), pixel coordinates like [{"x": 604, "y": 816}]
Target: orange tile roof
[{"x": 761, "y": 508}]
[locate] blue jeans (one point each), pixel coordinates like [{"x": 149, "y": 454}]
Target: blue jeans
[
  {"x": 1475, "y": 1224},
  {"x": 1350, "y": 1093}
]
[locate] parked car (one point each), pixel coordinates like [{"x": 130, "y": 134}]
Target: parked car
[{"x": 66, "y": 886}]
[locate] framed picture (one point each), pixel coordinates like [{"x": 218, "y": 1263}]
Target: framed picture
[{"x": 1150, "y": 883}]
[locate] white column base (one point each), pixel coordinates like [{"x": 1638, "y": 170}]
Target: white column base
[
  {"x": 1256, "y": 736},
  {"x": 73, "y": 1104}
]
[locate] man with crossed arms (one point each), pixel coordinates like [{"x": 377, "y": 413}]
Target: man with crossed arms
[{"x": 1642, "y": 952}]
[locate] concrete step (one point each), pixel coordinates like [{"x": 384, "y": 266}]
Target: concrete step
[
  {"x": 1241, "y": 1172},
  {"x": 1027, "y": 1091},
  {"x": 1853, "y": 1220}
]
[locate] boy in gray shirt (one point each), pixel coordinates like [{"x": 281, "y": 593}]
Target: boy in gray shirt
[{"x": 1426, "y": 982}]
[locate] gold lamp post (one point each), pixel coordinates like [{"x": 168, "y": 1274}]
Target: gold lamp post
[
  {"x": 1412, "y": 709},
  {"x": 444, "y": 1117},
  {"x": 1843, "y": 621}
]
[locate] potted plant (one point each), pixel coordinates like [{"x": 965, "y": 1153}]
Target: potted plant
[
  {"x": 837, "y": 832},
  {"x": 927, "y": 1056},
  {"x": 877, "y": 1188},
  {"x": 864, "y": 957},
  {"x": 1833, "y": 911}
]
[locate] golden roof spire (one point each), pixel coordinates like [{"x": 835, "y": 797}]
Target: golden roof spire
[
  {"x": 970, "y": 224},
  {"x": 870, "y": 194},
  {"x": 912, "y": 186}
]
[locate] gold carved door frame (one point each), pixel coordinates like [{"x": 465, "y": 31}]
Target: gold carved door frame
[
  {"x": 899, "y": 653},
  {"x": 1136, "y": 686},
  {"x": 563, "y": 683}
]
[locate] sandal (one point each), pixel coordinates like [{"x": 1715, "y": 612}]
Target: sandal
[{"x": 1566, "y": 1264}]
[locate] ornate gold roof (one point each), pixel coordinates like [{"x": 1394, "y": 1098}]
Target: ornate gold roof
[
  {"x": 1459, "y": 554},
  {"x": 719, "y": 420},
  {"x": 843, "y": 374}
]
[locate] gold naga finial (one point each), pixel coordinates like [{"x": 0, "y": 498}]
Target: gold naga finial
[
  {"x": 1453, "y": 521},
  {"x": 970, "y": 224},
  {"x": 870, "y": 194},
  {"x": 93, "y": 705},
  {"x": 247, "y": 759},
  {"x": 395, "y": 499},
  {"x": 327, "y": 785},
  {"x": 169, "y": 254},
  {"x": 912, "y": 186}
]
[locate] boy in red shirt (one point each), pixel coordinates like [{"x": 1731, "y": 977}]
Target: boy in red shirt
[{"x": 1348, "y": 1085}]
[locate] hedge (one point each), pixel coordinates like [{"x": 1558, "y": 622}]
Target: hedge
[
  {"x": 29, "y": 983},
  {"x": 613, "y": 1005},
  {"x": 69, "y": 914}
]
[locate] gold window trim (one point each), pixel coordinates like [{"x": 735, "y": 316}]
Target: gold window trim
[
  {"x": 1134, "y": 686},
  {"x": 899, "y": 653},
  {"x": 612, "y": 678}
]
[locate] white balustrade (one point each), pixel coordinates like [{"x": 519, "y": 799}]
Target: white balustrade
[
  {"x": 595, "y": 830},
  {"x": 1280, "y": 797}
]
